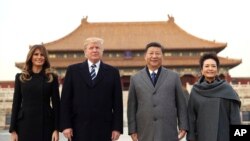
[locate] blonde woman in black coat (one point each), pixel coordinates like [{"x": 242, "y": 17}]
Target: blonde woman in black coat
[{"x": 35, "y": 109}]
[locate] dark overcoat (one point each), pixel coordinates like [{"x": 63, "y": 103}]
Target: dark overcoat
[
  {"x": 33, "y": 117},
  {"x": 92, "y": 109}
]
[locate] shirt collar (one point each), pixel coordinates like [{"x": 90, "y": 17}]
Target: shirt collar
[
  {"x": 150, "y": 71},
  {"x": 97, "y": 64}
]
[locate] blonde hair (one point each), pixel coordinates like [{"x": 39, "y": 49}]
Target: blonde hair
[
  {"x": 93, "y": 40},
  {"x": 27, "y": 69}
]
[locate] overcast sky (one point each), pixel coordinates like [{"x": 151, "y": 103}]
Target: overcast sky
[{"x": 28, "y": 22}]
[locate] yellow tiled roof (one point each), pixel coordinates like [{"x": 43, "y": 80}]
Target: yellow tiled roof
[{"x": 132, "y": 36}]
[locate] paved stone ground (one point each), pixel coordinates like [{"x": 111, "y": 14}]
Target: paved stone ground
[
  {"x": 5, "y": 136},
  {"x": 123, "y": 137}
]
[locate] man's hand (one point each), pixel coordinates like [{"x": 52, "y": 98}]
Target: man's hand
[
  {"x": 68, "y": 133},
  {"x": 134, "y": 137},
  {"x": 182, "y": 134},
  {"x": 115, "y": 135}
]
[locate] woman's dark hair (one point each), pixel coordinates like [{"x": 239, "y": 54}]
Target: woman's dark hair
[
  {"x": 27, "y": 69},
  {"x": 209, "y": 56},
  {"x": 154, "y": 44}
]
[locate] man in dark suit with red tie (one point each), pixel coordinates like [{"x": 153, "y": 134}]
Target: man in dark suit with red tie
[{"x": 91, "y": 100}]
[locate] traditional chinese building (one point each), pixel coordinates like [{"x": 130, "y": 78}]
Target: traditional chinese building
[{"x": 125, "y": 43}]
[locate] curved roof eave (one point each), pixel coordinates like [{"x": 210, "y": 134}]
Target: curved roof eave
[{"x": 167, "y": 32}]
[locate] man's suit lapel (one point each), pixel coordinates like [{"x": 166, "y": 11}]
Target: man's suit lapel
[
  {"x": 100, "y": 74},
  {"x": 146, "y": 79},
  {"x": 161, "y": 78},
  {"x": 84, "y": 72}
]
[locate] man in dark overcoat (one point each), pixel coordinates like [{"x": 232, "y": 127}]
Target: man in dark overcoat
[{"x": 91, "y": 100}]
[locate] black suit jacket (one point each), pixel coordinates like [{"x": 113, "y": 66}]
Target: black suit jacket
[{"x": 92, "y": 109}]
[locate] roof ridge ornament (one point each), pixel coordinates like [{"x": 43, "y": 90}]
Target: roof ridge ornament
[
  {"x": 85, "y": 19},
  {"x": 170, "y": 18}
]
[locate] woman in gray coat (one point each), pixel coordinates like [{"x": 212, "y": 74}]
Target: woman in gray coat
[
  {"x": 213, "y": 104},
  {"x": 156, "y": 103}
]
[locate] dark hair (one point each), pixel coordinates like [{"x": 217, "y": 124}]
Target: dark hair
[
  {"x": 209, "y": 56},
  {"x": 154, "y": 44},
  {"x": 27, "y": 69}
]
